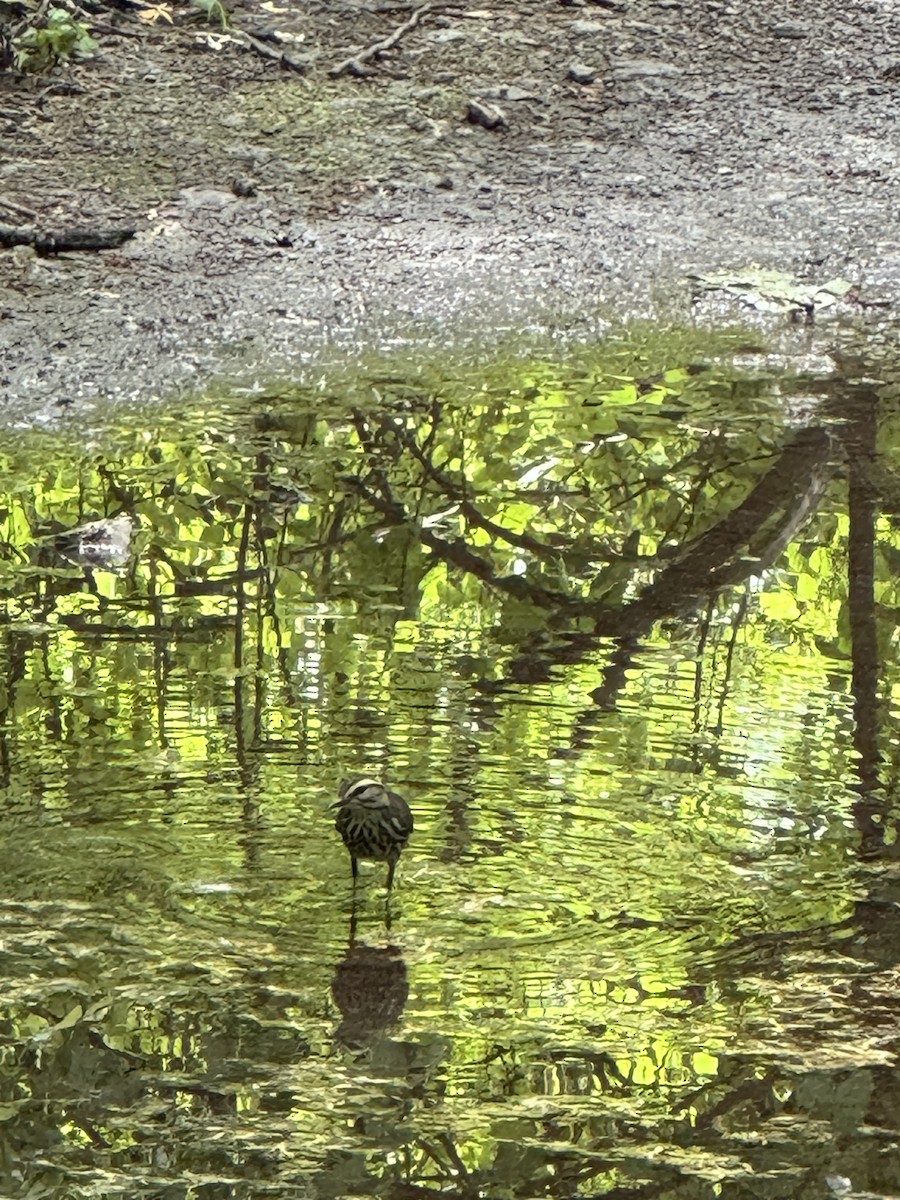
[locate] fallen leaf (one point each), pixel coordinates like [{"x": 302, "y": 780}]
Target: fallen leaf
[{"x": 151, "y": 14}]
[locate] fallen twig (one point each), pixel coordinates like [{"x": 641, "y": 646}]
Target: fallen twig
[
  {"x": 355, "y": 64},
  {"x": 270, "y": 52},
  {"x": 59, "y": 87},
  {"x": 21, "y": 209},
  {"x": 73, "y": 239}
]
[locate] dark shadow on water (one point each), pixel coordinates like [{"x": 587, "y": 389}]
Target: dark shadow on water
[{"x": 370, "y": 988}]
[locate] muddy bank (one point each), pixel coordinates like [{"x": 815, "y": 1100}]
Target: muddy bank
[{"x": 287, "y": 219}]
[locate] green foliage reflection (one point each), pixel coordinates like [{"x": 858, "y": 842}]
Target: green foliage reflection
[{"x": 587, "y": 616}]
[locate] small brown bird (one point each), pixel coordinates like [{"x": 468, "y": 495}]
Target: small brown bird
[{"x": 374, "y": 822}]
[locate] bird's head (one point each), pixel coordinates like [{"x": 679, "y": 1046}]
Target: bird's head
[{"x": 362, "y": 793}]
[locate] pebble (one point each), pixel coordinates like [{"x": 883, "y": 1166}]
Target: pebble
[
  {"x": 580, "y": 73},
  {"x": 489, "y": 116},
  {"x": 204, "y": 197}
]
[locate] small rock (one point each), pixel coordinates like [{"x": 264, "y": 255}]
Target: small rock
[
  {"x": 489, "y": 116},
  {"x": 445, "y": 183},
  {"x": 580, "y": 73},
  {"x": 204, "y": 197},
  {"x": 243, "y": 187},
  {"x": 839, "y": 1184},
  {"x": 588, "y": 28},
  {"x": 788, "y": 29},
  {"x": 419, "y": 123}
]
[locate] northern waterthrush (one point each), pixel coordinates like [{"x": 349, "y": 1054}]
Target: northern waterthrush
[{"x": 374, "y": 822}]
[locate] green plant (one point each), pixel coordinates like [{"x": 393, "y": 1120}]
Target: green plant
[
  {"x": 213, "y": 10},
  {"x": 61, "y": 39}
]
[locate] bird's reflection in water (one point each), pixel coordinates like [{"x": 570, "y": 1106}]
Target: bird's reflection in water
[{"x": 370, "y": 987}]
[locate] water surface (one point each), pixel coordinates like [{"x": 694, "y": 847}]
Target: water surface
[{"x": 619, "y": 628}]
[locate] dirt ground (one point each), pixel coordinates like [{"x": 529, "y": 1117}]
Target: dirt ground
[{"x": 289, "y": 219}]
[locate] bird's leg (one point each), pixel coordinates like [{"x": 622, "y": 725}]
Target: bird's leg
[
  {"x": 353, "y": 923},
  {"x": 390, "y": 878},
  {"x": 354, "y": 867}
]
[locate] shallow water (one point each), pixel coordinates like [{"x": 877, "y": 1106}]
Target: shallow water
[{"x": 644, "y": 939}]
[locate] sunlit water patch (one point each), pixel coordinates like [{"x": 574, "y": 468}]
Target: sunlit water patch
[{"x": 593, "y": 620}]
